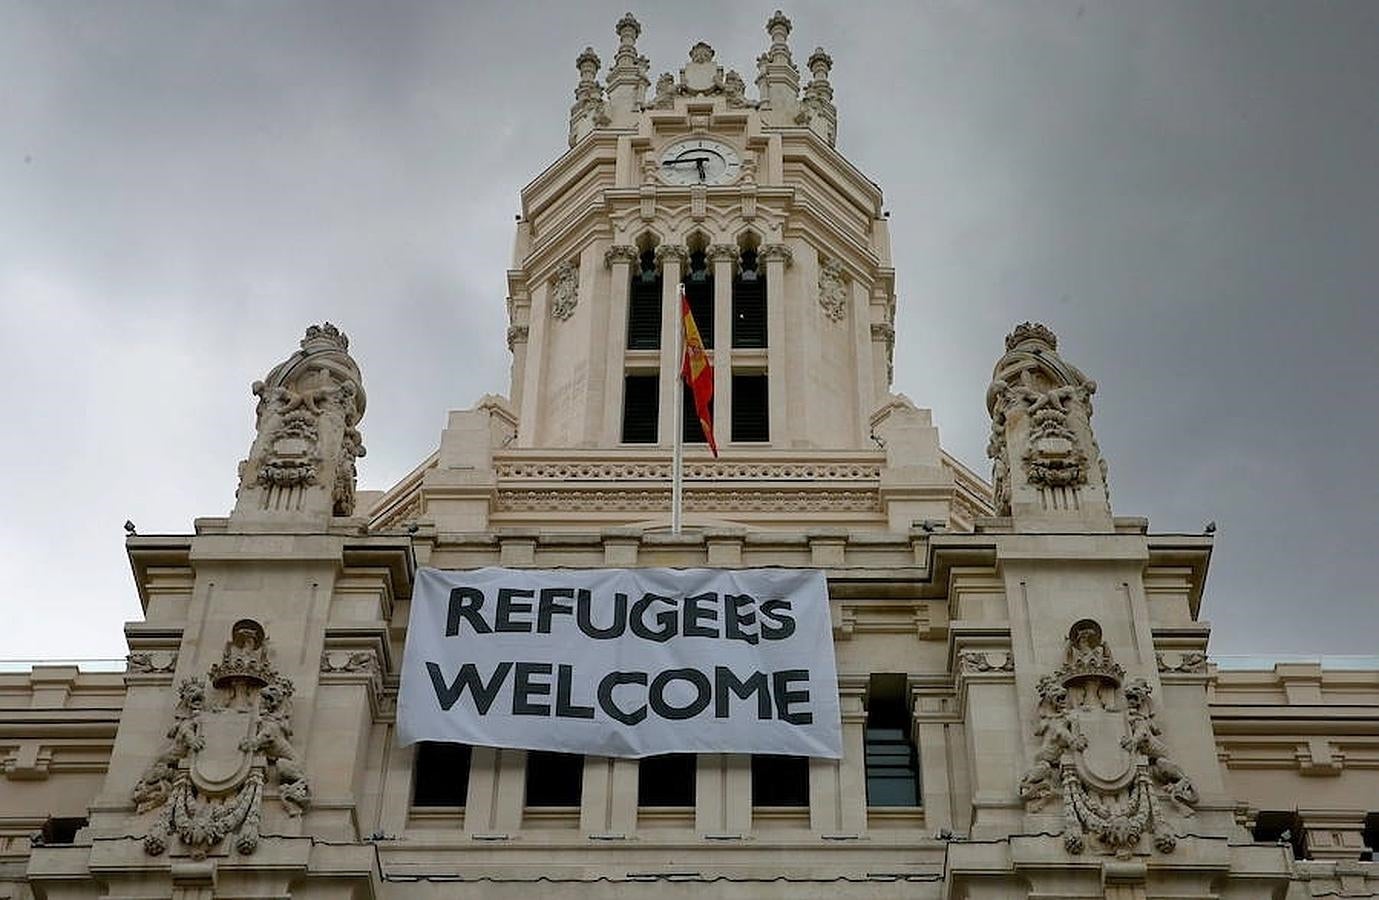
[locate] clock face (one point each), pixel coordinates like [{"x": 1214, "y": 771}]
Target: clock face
[{"x": 699, "y": 161}]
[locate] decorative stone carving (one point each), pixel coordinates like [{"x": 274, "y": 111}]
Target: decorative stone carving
[
  {"x": 986, "y": 661},
  {"x": 1186, "y": 661},
  {"x": 729, "y": 252},
  {"x": 666, "y": 91},
  {"x": 735, "y": 90},
  {"x": 151, "y": 662},
  {"x": 769, "y": 252},
  {"x": 620, "y": 253},
  {"x": 816, "y": 108},
  {"x": 1101, "y": 752},
  {"x": 349, "y": 661},
  {"x": 224, "y": 743},
  {"x": 627, "y": 79},
  {"x": 1043, "y": 405},
  {"x": 303, "y": 458},
  {"x": 564, "y": 291},
  {"x": 667, "y": 252},
  {"x": 517, "y": 334},
  {"x": 701, "y": 75},
  {"x": 885, "y": 333},
  {"x": 832, "y": 289}
]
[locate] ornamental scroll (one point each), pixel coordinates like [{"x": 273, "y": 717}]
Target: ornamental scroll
[
  {"x": 229, "y": 740},
  {"x": 1101, "y": 752}
]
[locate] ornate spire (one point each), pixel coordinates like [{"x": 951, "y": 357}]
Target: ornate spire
[
  {"x": 589, "y": 110},
  {"x": 778, "y": 78},
  {"x": 302, "y": 462},
  {"x": 817, "y": 109},
  {"x": 627, "y": 80},
  {"x": 1048, "y": 471}
]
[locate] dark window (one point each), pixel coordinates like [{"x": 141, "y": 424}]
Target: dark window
[
  {"x": 1282, "y": 827},
  {"x": 554, "y": 779},
  {"x": 699, "y": 294},
  {"x": 644, "y": 306},
  {"x": 666, "y": 780},
  {"x": 780, "y": 780},
  {"x": 1371, "y": 836},
  {"x": 891, "y": 761},
  {"x": 440, "y": 776},
  {"x": 751, "y": 421},
  {"x": 640, "y": 408},
  {"x": 60, "y": 830},
  {"x": 693, "y": 432},
  {"x": 749, "y": 304}
]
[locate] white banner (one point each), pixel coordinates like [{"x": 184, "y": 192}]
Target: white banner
[{"x": 622, "y": 662}]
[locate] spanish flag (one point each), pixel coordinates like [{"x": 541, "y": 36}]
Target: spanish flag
[{"x": 697, "y": 372}]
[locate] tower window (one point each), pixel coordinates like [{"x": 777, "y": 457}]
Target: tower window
[
  {"x": 891, "y": 761},
  {"x": 667, "y": 780},
  {"x": 644, "y": 306},
  {"x": 699, "y": 295},
  {"x": 440, "y": 776},
  {"x": 751, "y": 416},
  {"x": 780, "y": 780},
  {"x": 554, "y": 779},
  {"x": 749, "y": 304},
  {"x": 640, "y": 408}
]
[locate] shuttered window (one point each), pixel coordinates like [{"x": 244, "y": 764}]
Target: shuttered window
[
  {"x": 640, "y": 409},
  {"x": 891, "y": 761},
  {"x": 699, "y": 295},
  {"x": 644, "y": 306},
  {"x": 749, "y": 305}
]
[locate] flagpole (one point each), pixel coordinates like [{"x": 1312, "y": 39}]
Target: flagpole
[{"x": 678, "y": 426}]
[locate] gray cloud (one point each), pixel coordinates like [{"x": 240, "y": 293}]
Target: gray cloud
[{"x": 1184, "y": 191}]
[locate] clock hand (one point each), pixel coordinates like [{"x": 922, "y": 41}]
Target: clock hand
[{"x": 699, "y": 164}]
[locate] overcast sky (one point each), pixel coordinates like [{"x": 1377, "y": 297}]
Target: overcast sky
[{"x": 1188, "y": 193}]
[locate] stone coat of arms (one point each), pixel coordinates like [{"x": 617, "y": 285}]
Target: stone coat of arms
[
  {"x": 226, "y": 740},
  {"x": 1101, "y": 754}
]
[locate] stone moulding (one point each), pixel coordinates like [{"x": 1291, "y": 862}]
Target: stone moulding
[
  {"x": 1101, "y": 753},
  {"x": 226, "y": 738},
  {"x": 646, "y": 500}
]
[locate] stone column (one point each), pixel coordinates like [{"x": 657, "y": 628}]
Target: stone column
[
  {"x": 619, "y": 258},
  {"x": 776, "y": 257},
  {"x": 672, "y": 260},
  {"x": 723, "y": 257}
]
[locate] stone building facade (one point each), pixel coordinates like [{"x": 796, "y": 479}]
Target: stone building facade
[{"x": 1028, "y": 708}]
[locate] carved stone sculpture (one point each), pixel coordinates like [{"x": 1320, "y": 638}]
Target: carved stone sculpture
[
  {"x": 666, "y": 91},
  {"x": 832, "y": 289},
  {"x": 1041, "y": 406},
  {"x": 223, "y": 745},
  {"x": 1101, "y": 752},
  {"x": 303, "y": 459},
  {"x": 564, "y": 291}
]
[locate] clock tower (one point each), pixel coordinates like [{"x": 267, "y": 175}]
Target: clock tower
[{"x": 785, "y": 255}]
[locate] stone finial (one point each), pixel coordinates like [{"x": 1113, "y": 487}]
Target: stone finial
[
  {"x": 628, "y": 30},
  {"x": 302, "y": 462},
  {"x": 589, "y": 110},
  {"x": 1047, "y": 472},
  {"x": 627, "y": 80},
  {"x": 778, "y": 78},
  {"x": 817, "y": 109},
  {"x": 778, "y": 26}
]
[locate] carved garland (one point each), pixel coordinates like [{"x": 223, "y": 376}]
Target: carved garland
[
  {"x": 1101, "y": 754},
  {"x": 209, "y": 781},
  {"x": 564, "y": 291}
]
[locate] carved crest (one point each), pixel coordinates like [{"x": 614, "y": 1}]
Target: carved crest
[
  {"x": 832, "y": 289},
  {"x": 222, "y": 747},
  {"x": 1100, "y": 752},
  {"x": 564, "y": 291}
]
